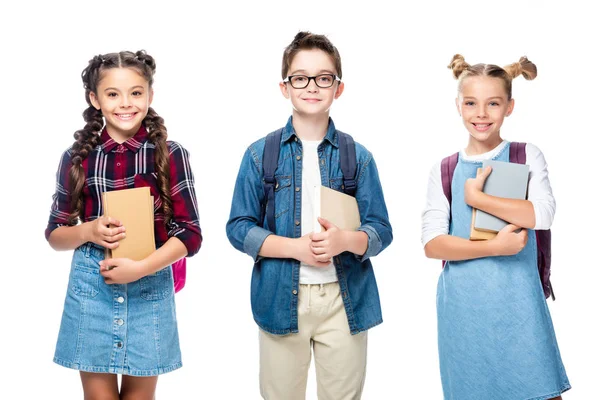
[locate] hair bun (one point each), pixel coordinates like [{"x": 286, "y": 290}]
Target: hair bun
[
  {"x": 146, "y": 58},
  {"x": 458, "y": 65},
  {"x": 523, "y": 67}
]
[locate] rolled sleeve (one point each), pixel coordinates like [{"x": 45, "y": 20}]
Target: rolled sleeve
[
  {"x": 373, "y": 211},
  {"x": 185, "y": 223},
  {"x": 61, "y": 202},
  {"x": 254, "y": 241}
]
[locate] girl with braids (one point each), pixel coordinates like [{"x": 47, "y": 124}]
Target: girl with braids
[
  {"x": 119, "y": 314},
  {"x": 495, "y": 335}
]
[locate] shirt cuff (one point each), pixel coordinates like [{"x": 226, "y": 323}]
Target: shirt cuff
[
  {"x": 51, "y": 228},
  {"x": 254, "y": 241},
  {"x": 190, "y": 239},
  {"x": 374, "y": 246}
]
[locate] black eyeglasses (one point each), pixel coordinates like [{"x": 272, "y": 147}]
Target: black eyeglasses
[{"x": 323, "y": 81}]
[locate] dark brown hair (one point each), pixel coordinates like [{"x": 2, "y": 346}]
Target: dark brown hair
[
  {"x": 88, "y": 138},
  {"x": 309, "y": 41},
  {"x": 461, "y": 70}
]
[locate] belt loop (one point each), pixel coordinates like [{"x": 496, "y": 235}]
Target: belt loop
[{"x": 87, "y": 249}]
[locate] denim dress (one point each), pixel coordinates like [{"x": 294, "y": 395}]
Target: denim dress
[
  {"x": 128, "y": 329},
  {"x": 495, "y": 335}
]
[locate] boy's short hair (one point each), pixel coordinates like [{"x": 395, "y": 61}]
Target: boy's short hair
[{"x": 308, "y": 41}]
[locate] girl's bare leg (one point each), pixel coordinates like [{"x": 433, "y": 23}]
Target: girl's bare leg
[
  {"x": 138, "y": 387},
  {"x": 97, "y": 386}
]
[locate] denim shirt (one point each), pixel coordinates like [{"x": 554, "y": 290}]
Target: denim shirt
[{"x": 274, "y": 287}]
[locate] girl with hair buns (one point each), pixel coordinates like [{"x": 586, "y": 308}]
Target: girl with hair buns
[
  {"x": 119, "y": 314},
  {"x": 495, "y": 335}
]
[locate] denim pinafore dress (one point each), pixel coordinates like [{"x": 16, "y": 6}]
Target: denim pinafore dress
[
  {"x": 128, "y": 329},
  {"x": 495, "y": 335}
]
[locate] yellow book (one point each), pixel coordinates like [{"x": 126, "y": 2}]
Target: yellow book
[
  {"x": 135, "y": 209},
  {"x": 336, "y": 207}
]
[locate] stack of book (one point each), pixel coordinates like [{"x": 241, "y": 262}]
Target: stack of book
[{"x": 508, "y": 180}]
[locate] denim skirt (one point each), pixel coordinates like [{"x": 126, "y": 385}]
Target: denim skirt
[{"x": 128, "y": 329}]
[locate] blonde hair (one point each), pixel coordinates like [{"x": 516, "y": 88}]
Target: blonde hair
[{"x": 462, "y": 70}]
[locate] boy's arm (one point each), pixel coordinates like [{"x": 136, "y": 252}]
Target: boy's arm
[{"x": 373, "y": 212}]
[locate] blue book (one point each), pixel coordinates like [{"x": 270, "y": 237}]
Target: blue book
[{"x": 508, "y": 180}]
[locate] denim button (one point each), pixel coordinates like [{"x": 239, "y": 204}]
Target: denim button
[
  {"x": 119, "y": 344},
  {"x": 297, "y": 222},
  {"x": 119, "y": 322},
  {"x": 294, "y": 291},
  {"x": 322, "y": 161},
  {"x": 297, "y": 189},
  {"x": 120, "y": 299},
  {"x": 298, "y": 158}
]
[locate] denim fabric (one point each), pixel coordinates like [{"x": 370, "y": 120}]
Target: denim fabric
[
  {"x": 274, "y": 286},
  {"x": 495, "y": 335},
  {"x": 126, "y": 329}
]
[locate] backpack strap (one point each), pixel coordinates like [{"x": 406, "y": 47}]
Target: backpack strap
[
  {"x": 543, "y": 237},
  {"x": 447, "y": 167},
  {"x": 516, "y": 153},
  {"x": 270, "y": 160},
  {"x": 348, "y": 162}
]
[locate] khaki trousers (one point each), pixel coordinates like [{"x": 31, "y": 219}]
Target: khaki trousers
[{"x": 340, "y": 358}]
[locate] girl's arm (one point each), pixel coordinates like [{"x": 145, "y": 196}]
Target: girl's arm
[
  {"x": 454, "y": 248},
  {"x": 439, "y": 244},
  {"x": 537, "y": 212},
  {"x": 97, "y": 231}
]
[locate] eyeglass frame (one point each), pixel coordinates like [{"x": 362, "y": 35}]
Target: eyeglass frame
[{"x": 314, "y": 78}]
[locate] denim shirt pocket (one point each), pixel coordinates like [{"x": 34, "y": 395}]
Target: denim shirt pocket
[
  {"x": 157, "y": 286},
  {"x": 85, "y": 278},
  {"x": 283, "y": 185},
  {"x": 337, "y": 184}
]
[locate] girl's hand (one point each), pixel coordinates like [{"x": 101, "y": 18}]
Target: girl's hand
[
  {"x": 508, "y": 242},
  {"x": 328, "y": 244},
  {"x": 99, "y": 232},
  {"x": 121, "y": 270},
  {"x": 474, "y": 186},
  {"x": 304, "y": 254}
]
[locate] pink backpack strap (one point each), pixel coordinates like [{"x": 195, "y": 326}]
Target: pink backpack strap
[
  {"x": 179, "y": 268},
  {"x": 447, "y": 167},
  {"x": 516, "y": 153}
]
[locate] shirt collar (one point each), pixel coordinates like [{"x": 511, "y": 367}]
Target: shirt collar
[
  {"x": 330, "y": 136},
  {"x": 134, "y": 143}
]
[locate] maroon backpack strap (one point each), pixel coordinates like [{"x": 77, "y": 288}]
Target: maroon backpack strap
[
  {"x": 447, "y": 167},
  {"x": 543, "y": 237},
  {"x": 516, "y": 153}
]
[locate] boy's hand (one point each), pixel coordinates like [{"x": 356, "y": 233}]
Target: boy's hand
[
  {"x": 508, "y": 242},
  {"x": 474, "y": 186},
  {"x": 304, "y": 253},
  {"x": 99, "y": 232},
  {"x": 328, "y": 244},
  {"x": 121, "y": 270}
]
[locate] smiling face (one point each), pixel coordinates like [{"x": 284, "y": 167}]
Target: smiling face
[
  {"x": 124, "y": 96},
  {"x": 312, "y": 100},
  {"x": 483, "y": 103}
]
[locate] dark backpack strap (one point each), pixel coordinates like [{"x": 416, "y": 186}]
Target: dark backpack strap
[
  {"x": 543, "y": 237},
  {"x": 348, "y": 162},
  {"x": 270, "y": 160},
  {"x": 516, "y": 153},
  {"x": 447, "y": 170}
]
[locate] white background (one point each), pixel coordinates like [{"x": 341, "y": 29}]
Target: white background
[{"x": 217, "y": 88}]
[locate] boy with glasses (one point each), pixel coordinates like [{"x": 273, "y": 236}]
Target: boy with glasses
[{"x": 309, "y": 290}]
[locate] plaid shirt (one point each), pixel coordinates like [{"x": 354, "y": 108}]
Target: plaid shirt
[{"x": 114, "y": 166}]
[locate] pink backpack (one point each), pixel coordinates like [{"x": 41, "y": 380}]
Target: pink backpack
[{"x": 179, "y": 274}]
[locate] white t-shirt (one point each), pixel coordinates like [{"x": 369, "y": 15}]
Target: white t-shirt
[
  {"x": 311, "y": 178},
  {"x": 436, "y": 215}
]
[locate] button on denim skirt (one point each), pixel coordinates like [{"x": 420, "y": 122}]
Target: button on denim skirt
[{"x": 126, "y": 329}]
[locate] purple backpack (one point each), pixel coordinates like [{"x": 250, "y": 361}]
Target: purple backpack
[{"x": 516, "y": 155}]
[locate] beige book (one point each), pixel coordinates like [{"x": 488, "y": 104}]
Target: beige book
[
  {"x": 336, "y": 207},
  {"x": 135, "y": 209},
  {"x": 476, "y": 234}
]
